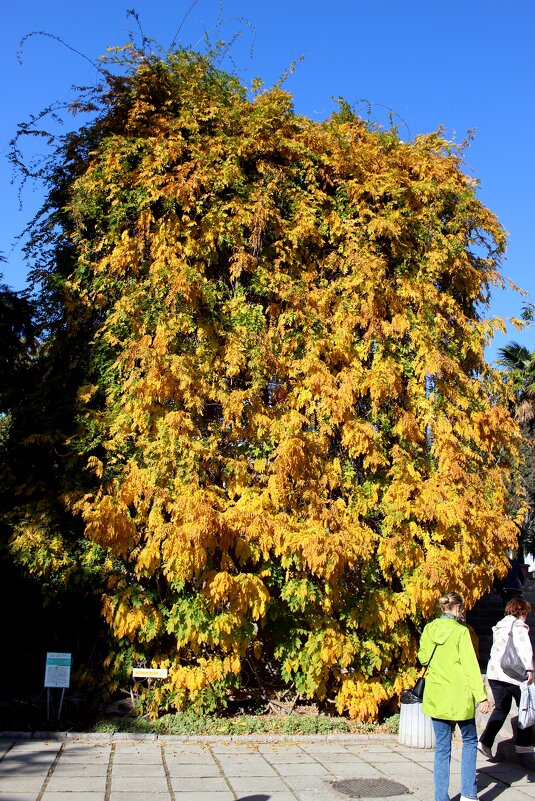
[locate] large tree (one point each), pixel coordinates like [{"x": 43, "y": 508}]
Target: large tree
[
  {"x": 519, "y": 365},
  {"x": 17, "y": 335},
  {"x": 278, "y": 438}
]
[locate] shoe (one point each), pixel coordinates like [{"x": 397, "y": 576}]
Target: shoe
[
  {"x": 484, "y": 749},
  {"x": 524, "y": 749}
]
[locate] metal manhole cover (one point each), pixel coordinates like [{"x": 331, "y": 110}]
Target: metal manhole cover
[{"x": 369, "y": 788}]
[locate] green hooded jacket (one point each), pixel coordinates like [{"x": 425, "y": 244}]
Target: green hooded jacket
[{"x": 453, "y": 683}]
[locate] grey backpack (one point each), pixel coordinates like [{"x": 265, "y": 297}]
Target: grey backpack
[{"x": 510, "y": 663}]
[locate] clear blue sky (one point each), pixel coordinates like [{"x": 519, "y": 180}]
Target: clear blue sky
[{"x": 463, "y": 64}]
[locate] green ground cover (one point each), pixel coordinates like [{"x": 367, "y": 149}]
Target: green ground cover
[{"x": 190, "y": 724}]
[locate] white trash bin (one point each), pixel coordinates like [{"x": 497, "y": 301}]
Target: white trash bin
[{"x": 415, "y": 728}]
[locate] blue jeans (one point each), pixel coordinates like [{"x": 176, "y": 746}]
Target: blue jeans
[{"x": 443, "y": 731}]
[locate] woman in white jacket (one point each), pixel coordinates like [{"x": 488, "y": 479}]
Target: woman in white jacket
[{"x": 503, "y": 687}]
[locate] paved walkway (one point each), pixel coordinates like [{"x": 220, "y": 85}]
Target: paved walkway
[{"x": 175, "y": 769}]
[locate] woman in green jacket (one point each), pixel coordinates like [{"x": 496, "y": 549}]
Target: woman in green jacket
[{"x": 453, "y": 686}]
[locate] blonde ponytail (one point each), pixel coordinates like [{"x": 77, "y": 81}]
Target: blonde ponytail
[{"x": 450, "y": 600}]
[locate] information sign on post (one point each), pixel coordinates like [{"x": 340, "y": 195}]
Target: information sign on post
[
  {"x": 149, "y": 673},
  {"x": 58, "y": 670}
]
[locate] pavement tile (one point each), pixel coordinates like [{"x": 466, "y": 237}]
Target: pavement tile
[
  {"x": 270, "y": 797},
  {"x": 37, "y": 745},
  {"x": 18, "y": 784},
  {"x": 132, "y": 757},
  {"x": 419, "y": 785},
  {"x": 317, "y": 749},
  {"x": 284, "y": 753},
  {"x": 328, "y": 748},
  {"x": 240, "y": 759},
  {"x": 80, "y": 795},
  {"x": 411, "y": 752},
  {"x": 343, "y": 771},
  {"x": 378, "y": 748},
  {"x": 29, "y": 759},
  {"x": 9, "y": 796},
  {"x": 324, "y": 794},
  {"x": 521, "y": 792},
  {"x": 506, "y": 772},
  {"x": 36, "y": 755},
  {"x": 138, "y": 784},
  {"x": 258, "y": 784},
  {"x": 172, "y": 746},
  {"x": 289, "y": 759},
  {"x": 242, "y": 764},
  {"x": 71, "y": 784},
  {"x": 80, "y": 769},
  {"x": 416, "y": 776},
  {"x": 201, "y": 770},
  {"x": 310, "y": 784},
  {"x": 134, "y": 796},
  {"x": 73, "y": 748},
  {"x": 234, "y": 748},
  {"x": 211, "y": 784},
  {"x": 491, "y": 783},
  {"x": 308, "y": 769},
  {"x": 337, "y": 758},
  {"x": 188, "y": 756},
  {"x": 149, "y": 770},
  {"x": 379, "y": 758},
  {"x": 238, "y": 771},
  {"x": 12, "y": 768},
  {"x": 199, "y": 764},
  {"x": 86, "y": 756},
  {"x": 189, "y": 795},
  {"x": 191, "y": 766}
]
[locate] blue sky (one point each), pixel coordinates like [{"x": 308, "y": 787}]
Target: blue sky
[{"x": 464, "y": 65}]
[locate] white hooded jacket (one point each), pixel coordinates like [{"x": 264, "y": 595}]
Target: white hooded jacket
[{"x": 499, "y": 641}]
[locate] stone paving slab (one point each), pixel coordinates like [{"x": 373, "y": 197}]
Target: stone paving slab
[
  {"x": 17, "y": 796},
  {"x": 20, "y": 784},
  {"x": 149, "y": 771},
  {"x": 78, "y": 796},
  {"x": 206, "y": 796},
  {"x": 213, "y": 784},
  {"x": 528, "y": 792},
  {"x": 258, "y": 784},
  {"x": 163, "y": 769},
  {"x": 138, "y": 784},
  {"x": 260, "y": 771},
  {"x": 133, "y": 796},
  {"x": 72, "y": 784},
  {"x": 80, "y": 770},
  {"x": 199, "y": 770}
]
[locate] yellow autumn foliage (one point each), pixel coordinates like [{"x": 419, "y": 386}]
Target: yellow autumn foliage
[{"x": 289, "y": 439}]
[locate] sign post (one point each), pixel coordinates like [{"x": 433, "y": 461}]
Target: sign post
[
  {"x": 149, "y": 674},
  {"x": 57, "y": 674}
]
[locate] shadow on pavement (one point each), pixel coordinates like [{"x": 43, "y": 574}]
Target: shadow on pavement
[
  {"x": 256, "y": 797},
  {"x": 493, "y": 780}
]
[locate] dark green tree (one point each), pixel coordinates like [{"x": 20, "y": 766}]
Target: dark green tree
[
  {"x": 519, "y": 365},
  {"x": 18, "y": 341}
]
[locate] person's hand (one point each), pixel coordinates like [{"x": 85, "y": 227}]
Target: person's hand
[
  {"x": 530, "y": 676},
  {"x": 484, "y": 706}
]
